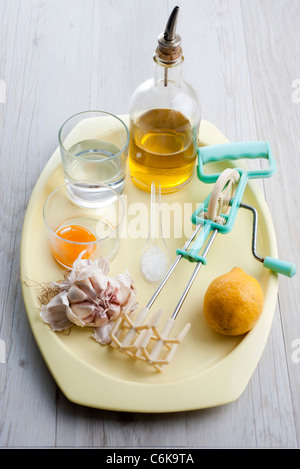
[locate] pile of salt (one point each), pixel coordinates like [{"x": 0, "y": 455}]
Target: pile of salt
[{"x": 154, "y": 264}]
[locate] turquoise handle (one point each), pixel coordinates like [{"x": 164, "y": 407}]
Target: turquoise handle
[
  {"x": 234, "y": 151},
  {"x": 282, "y": 267}
]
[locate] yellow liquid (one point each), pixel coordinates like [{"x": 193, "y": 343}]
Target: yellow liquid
[{"x": 163, "y": 147}]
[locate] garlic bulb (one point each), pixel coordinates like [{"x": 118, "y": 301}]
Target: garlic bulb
[{"x": 89, "y": 298}]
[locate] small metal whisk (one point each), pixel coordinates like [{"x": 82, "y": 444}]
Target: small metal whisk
[{"x": 140, "y": 337}]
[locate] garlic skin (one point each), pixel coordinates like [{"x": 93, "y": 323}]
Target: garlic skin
[
  {"x": 55, "y": 312},
  {"x": 102, "y": 334},
  {"x": 89, "y": 298}
]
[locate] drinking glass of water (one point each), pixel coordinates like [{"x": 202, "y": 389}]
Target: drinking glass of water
[{"x": 94, "y": 149}]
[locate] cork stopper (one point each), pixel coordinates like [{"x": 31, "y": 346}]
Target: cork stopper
[{"x": 169, "y": 49}]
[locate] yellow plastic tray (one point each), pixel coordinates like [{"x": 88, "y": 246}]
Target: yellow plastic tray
[{"x": 208, "y": 369}]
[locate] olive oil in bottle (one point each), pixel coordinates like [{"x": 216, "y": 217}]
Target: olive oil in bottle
[
  {"x": 163, "y": 147},
  {"x": 164, "y": 120}
]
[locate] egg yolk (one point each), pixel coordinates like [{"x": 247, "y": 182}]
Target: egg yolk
[{"x": 67, "y": 252}]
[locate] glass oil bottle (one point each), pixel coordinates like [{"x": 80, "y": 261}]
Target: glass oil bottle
[{"x": 164, "y": 120}]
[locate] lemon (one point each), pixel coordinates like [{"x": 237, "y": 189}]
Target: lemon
[{"x": 233, "y": 302}]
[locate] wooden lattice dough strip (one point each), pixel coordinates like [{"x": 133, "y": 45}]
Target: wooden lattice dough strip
[
  {"x": 157, "y": 349},
  {"x": 125, "y": 332}
]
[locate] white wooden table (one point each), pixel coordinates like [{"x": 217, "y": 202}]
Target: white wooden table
[{"x": 61, "y": 56}]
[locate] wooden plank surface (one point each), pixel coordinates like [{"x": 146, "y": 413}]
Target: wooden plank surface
[{"x": 59, "y": 57}]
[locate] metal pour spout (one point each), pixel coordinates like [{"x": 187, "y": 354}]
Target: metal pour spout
[
  {"x": 169, "y": 43},
  {"x": 170, "y": 31}
]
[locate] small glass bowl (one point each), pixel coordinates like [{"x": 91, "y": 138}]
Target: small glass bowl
[{"x": 73, "y": 229}]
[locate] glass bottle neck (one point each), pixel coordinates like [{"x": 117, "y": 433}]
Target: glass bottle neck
[{"x": 168, "y": 74}]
